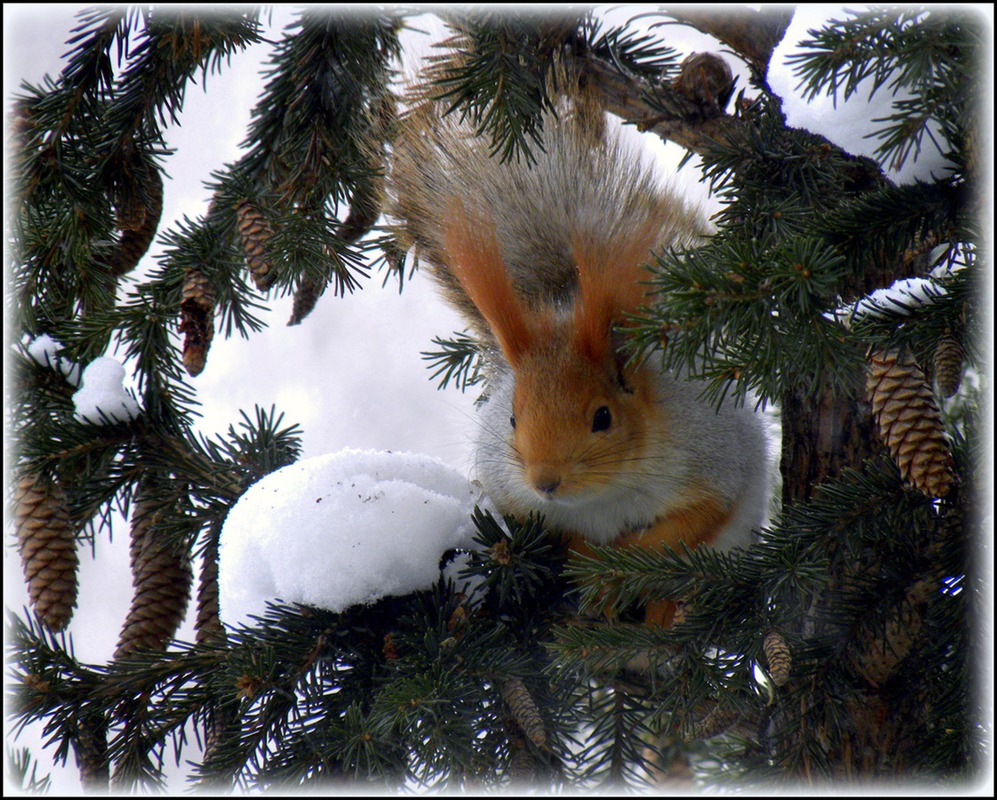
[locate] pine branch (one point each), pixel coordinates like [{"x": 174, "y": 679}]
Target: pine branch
[
  {"x": 928, "y": 55},
  {"x": 89, "y": 73},
  {"x": 500, "y": 79},
  {"x": 752, "y": 34},
  {"x": 175, "y": 46},
  {"x": 656, "y": 107},
  {"x": 54, "y": 685},
  {"x": 458, "y": 361}
]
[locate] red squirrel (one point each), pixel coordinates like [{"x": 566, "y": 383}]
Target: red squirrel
[{"x": 546, "y": 261}]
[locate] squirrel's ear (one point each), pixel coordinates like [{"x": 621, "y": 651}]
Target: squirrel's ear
[
  {"x": 472, "y": 250},
  {"x": 612, "y": 282}
]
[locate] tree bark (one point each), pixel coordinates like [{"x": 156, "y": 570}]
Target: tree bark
[{"x": 821, "y": 433}]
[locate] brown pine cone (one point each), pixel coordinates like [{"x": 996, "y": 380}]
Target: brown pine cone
[
  {"x": 47, "y": 542},
  {"x": 305, "y": 299},
  {"x": 135, "y": 243},
  {"x": 909, "y": 421},
  {"x": 256, "y": 232},
  {"x": 706, "y": 79},
  {"x": 778, "y": 657},
  {"x": 162, "y": 581},
  {"x": 948, "y": 364},
  {"x": 524, "y": 710},
  {"x": 197, "y": 311},
  {"x": 880, "y": 647}
]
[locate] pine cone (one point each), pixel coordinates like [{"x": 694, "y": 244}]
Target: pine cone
[
  {"x": 778, "y": 658},
  {"x": 91, "y": 753},
  {"x": 129, "y": 208},
  {"x": 208, "y": 624},
  {"x": 909, "y": 421},
  {"x": 970, "y": 150},
  {"x": 197, "y": 310},
  {"x": 522, "y": 769},
  {"x": 305, "y": 298},
  {"x": 256, "y": 232},
  {"x": 134, "y": 243},
  {"x": 47, "y": 543},
  {"x": 716, "y": 721},
  {"x": 365, "y": 206},
  {"x": 948, "y": 364},
  {"x": 162, "y": 581},
  {"x": 705, "y": 79},
  {"x": 524, "y": 710},
  {"x": 880, "y": 648}
]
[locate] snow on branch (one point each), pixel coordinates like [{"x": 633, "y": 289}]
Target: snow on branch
[{"x": 342, "y": 529}]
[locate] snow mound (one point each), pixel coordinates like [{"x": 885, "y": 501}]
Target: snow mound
[
  {"x": 342, "y": 529},
  {"x": 102, "y": 397}
]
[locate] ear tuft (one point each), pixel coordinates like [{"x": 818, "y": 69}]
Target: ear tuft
[
  {"x": 473, "y": 255},
  {"x": 611, "y": 284}
]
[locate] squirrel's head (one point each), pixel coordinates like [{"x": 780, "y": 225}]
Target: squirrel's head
[{"x": 580, "y": 414}]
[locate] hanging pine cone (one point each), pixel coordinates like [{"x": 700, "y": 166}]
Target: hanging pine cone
[
  {"x": 716, "y": 721},
  {"x": 948, "y": 364},
  {"x": 524, "y": 710},
  {"x": 162, "y": 581},
  {"x": 305, "y": 298},
  {"x": 134, "y": 243},
  {"x": 778, "y": 658},
  {"x": 522, "y": 769},
  {"x": 47, "y": 543},
  {"x": 91, "y": 753},
  {"x": 208, "y": 625},
  {"x": 256, "y": 232},
  {"x": 879, "y": 648},
  {"x": 909, "y": 421},
  {"x": 197, "y": 310},
  {"x": 970, "y": 152},
  {"x": 129, "y": 207}
]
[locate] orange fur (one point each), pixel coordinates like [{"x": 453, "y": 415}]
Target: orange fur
[
  {"x": 611, "y": 279},
  {"x": 474, "y": 256}
]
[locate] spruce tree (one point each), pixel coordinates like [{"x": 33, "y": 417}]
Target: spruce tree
[{"x": 839, "y": 647}]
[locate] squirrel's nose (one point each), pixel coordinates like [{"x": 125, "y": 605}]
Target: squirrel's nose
[{"x": 545, "y": 482}]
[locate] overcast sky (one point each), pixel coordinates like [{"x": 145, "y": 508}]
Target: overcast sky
[{"x": 351, "y": 375}]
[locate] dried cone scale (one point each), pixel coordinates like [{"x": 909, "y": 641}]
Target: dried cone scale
[
  {"x": 162, "y": 581},
  {"x": 909, "y": 422},
  {"x": 47, "y": 543}
]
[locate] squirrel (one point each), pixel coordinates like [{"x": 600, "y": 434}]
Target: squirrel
[{"x": 545, "y": 261}]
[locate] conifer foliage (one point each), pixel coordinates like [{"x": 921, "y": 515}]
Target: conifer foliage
[{"x": 840, "y": 646}]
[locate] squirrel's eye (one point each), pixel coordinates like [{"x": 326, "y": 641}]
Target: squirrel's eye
[
  {"x": 512, "y": 421},
  {"x": 602, "y": 419}
]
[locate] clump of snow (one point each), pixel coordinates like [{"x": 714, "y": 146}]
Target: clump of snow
[
  {"x": 903, "y": 294},
  {"x": 852, "y": 122},
  {"x": 47, "y": 351},
  {"x": 342, "y": 529},
  {"x": 102, "y": 396},
  {"x": 900, "y": 298}
]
